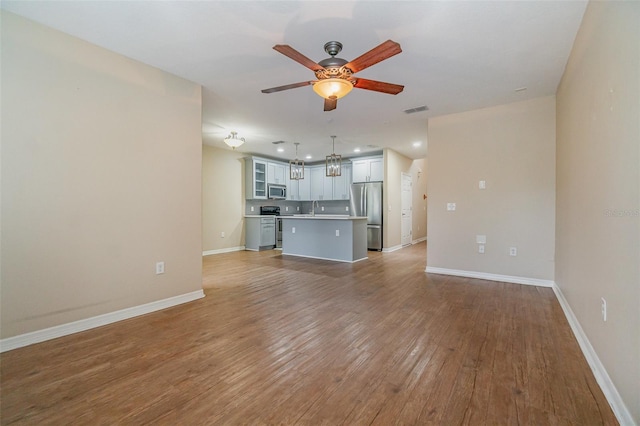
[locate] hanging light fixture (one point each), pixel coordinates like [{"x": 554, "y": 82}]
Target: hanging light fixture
[
  {"x": 332, "y": 88},
  {"x": 296, "y": 167},
  {"x": 334, "y": 162},
  {"x": 233, "y": 141}
]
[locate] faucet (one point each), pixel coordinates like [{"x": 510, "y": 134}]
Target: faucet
[{"x": 313, "y": 207}]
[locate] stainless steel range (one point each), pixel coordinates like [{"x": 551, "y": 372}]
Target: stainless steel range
[{"x": 274, "y": 211}]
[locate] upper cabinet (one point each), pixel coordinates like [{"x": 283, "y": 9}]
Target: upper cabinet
[
  {"x": 255, "y": 178},
  {"x": 342, "y": 183},
  {"x": 325, "y": 187},
  {"x": 259, "y": 173},
  {"x": 276, "y": 173},
  {"x": 368, "y": 170}
]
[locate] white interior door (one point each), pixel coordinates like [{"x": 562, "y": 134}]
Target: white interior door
[{"x": 407, "y": 221}]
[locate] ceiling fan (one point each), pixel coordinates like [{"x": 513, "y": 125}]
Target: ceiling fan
[{"x": 335, "y": 75}]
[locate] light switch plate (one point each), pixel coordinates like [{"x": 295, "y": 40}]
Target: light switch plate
[
  {"x": 293, "y": 230},
  {"x": 482, "y": 184},
  {"x": 481, "y": 239},
  {"x": 451, "y": 206}
]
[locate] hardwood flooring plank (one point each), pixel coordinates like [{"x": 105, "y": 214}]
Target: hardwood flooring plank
[{"x": 287, "y": 340}]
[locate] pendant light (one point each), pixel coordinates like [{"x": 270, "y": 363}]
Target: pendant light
[
  {"x": 233, "y": 141},
  {"x": 296, "y": 167},
  {"x": 334, "y": 162}
]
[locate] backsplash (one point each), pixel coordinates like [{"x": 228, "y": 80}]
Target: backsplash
[{"x": 299, "y": 207}]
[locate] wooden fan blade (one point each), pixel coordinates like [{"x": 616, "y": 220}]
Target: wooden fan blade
[
  {"x": 378, "y": 86},
  {"x": 287, "y": 87},
  {"x": 331, "y": 103},
  {"x": 292, "y": 53},
  {"x": 384, "y": 51}
]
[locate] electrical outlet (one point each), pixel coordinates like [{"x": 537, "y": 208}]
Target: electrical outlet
[
  {"x": 482, "y": 184},
  {"x": 222, "y": 234},
  {"x": 481, "y": 239},
  {"x": 603, "y": 308},
  {"x": 337, "y": 232},
  {"x": 513, "y": 251},
  {"x": 298, "y": 208},
  {"x": 346, "y": 208},
  {"x": 322, "y": 208},
  {"x": 293, "y": 230},
  {"x": 481, "y": 248},
  {"x": 159, "y": 268},
  {"x": 451, "y": 206},
  {"x": 252, "y": 209}
]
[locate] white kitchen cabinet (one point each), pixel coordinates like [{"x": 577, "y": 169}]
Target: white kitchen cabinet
[
  {"x": 323, "y": 187},
  {"x": 316, "y": 174},
  {"x": 293, "y": 189},
  {"x": 260, "y": 232},
  {"x": 304, "y": 187},
  {"x": 342, "y": 184},
  {"x": 255, "y": 178},
  {"x": 368, "y": 170},
  {"x": 276, "y": 173}
]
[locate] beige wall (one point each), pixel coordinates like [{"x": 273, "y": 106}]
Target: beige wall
[
  {"x": 598, "y": 192},
  {"x": 394, "y": 165},
  {"x": 101, "y": 178},
  {"x": 223, "y": 199},
  {"x": 512, "y": 148}
]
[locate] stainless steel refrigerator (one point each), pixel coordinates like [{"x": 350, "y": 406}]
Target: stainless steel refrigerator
[{"x": 366, "y": 200}]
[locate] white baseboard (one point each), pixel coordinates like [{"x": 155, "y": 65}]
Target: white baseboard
[
  {"x": 419, "y": 240},
  {"x": 390, "y": 249},
  {"x": 602, "y": 377},
  {"x": 224, "y": 250},
  {"x": 490, "y": 277},
  {"x": 27, "y": 339}
]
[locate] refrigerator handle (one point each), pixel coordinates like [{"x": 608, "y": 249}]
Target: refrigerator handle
[{"x": 364, "y": 200}]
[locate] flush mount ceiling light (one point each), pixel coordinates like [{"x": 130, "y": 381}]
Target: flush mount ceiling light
[
  {"x": 296, "y": 167},
  {"x": 233, "y": 141},
  {"x": 333, "y": 163}
]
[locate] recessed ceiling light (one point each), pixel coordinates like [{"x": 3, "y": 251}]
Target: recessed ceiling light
[
  {"x": 417, "y": 144},
  {"x": 308, "y": 157},
  {"x": 280, "y": 149},
  {"x": 356, "y": 150}
]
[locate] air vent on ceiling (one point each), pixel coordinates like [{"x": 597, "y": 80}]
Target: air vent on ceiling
[
  {"x": 416, "y": 109},
  {"x": 277, "y": 142}
]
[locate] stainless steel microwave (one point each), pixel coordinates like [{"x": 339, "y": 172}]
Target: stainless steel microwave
[{"x": 277, "y": 192}]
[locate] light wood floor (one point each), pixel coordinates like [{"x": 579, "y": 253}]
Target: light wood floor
[{"x": 283, "y": 340}]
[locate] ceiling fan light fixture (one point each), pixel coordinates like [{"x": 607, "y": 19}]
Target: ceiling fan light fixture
[
  {"x": 329, "y": 87},
  {"x": 233, "y": 141}
]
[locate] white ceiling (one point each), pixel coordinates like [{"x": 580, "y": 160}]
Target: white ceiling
[{"x": 457, "y": 56}]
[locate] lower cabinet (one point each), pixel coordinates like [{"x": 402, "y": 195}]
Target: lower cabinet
[{"x": 260, "y": 232}]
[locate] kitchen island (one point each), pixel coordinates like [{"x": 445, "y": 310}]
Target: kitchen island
[{"x": 331, "y": 237}]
